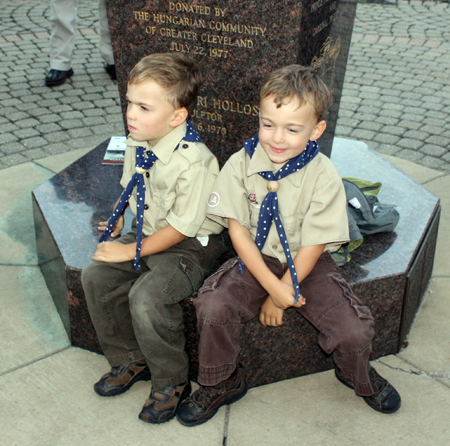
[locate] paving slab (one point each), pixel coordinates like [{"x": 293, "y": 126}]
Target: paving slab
[
  {"x": 429, "y": 341},
  {"x": 52, "y": 403},
  {"x": 318, "y": 410},
  {"x": 17, "y": 237},
  {"x": 420, "y": 173},
  {"x": 440, "y": 187},
  {"x": 56, "y": 163},
  {"x": 30, "y": 326}
]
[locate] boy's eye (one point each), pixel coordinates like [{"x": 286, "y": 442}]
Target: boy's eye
[
  {"x": 293, "y": 130},
  {"x": 144, "y": 108}
]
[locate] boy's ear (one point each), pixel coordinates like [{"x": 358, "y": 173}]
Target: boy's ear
[
  {"x": 179, "y": 116},
  {"x": 318, "y": 130}
]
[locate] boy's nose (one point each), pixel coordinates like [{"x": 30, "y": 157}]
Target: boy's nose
[
  {"x": 130, "y": 112},
  {"x": 278, "y": 136}
]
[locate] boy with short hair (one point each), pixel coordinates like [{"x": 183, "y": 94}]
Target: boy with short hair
[
  {"x": 134, "y": 285},
  {"x": 285, "y": 206}
]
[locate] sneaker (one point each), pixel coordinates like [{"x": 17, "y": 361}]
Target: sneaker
[
  {"x": 121, "y": 378},
  {"x": 204, "y": 403},
  {"x": 386, "y": 400},
  {"x": 162, "y": 404}
]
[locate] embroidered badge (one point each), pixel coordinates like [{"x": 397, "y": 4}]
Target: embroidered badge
[
  {"x": 252, "y": 198},
  {"x": 213, "y": 200}
]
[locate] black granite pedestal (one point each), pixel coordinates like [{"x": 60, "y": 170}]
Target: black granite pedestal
[
  {"x": 389, "y": 272},
  {"x": 237, "y": 43}
]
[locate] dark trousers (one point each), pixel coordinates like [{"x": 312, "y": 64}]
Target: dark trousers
[
  {"x": 137, "y": 314},
  {"x": 229, "y": 298}
]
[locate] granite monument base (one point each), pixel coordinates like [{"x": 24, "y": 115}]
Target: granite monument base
[{"x": 389, "y": 272}]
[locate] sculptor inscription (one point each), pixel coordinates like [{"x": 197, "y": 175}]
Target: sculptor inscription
[{"x": 215, "y": 118}]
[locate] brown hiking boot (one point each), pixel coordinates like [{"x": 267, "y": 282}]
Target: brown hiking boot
[
  {"x": 385, "y": 400},
  {"x": 121, "y": 378},
  {"x": 162, "y": 404},
  {"x": 204, "y": 403}
]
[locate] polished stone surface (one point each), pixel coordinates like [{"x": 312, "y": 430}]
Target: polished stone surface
[
  {"x": 67, "y": 209},
  {"x": 237, "y": 43},
  {"x": 389, "y": 272}
]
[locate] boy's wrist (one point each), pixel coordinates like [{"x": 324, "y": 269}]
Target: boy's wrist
[
  {"x": 271, "y": 284},
  {"x": 130, "y": 251}
]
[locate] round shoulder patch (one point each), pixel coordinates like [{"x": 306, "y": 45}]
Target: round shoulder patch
[{"x": 214, "y": 199}]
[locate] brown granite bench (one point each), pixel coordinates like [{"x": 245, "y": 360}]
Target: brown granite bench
[{"x": 389, "y": 272}]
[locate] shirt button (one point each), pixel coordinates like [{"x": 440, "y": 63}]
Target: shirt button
[
  {"x": 185, "y": 146},
  {"x": 275, "y": 247},
  {"x": 145, "y": 206},
  {"x": 147, "y": 174}
]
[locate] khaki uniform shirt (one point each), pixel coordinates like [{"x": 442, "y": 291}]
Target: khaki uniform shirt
[
  {"x": 177, "y": 186},
  {"x": 312, "y": 202}
]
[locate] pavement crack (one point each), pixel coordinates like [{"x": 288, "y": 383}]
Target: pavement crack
[
  {"x": 418, "y": 372},
  {"x": 22, "y": 366}
]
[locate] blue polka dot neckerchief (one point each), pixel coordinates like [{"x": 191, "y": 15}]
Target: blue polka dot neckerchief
[
  {"x": 269, "y": 207},
  {"x": 144, "y": 162}
]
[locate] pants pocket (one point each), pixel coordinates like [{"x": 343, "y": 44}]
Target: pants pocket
[
  {"x": 361, "y": 310},
  {"x": 192, "y": 271},
  {"x": 213, "y": 281}
]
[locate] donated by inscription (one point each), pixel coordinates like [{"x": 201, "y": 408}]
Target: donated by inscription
[
  {"x": 167, "y": 25},
  {"x": 196, "y": 9}
]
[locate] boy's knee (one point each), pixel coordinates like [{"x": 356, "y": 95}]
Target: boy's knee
[
  {"x": 209, "y": 306},
  {"x": 89, "y": 273},
  {"x": 357, "y": 336}
]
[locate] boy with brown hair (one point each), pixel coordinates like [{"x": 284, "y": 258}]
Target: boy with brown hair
[
  {"x": 285, "y": 207},
  {"x": 134, "y": 285}
]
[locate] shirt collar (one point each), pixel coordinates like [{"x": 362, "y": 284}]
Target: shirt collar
[{"x": 164, "y": 148}]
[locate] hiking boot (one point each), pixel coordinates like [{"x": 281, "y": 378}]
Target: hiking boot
[
  {"x": 121, "y": 378},
  {"x": 385, "y": 400},
  {"x": 162, "y": 404},
  {"x": 204, "y": 403}
]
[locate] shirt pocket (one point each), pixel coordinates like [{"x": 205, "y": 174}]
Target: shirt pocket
[
  {"x": 293, "y": 225},
  {"x": 156, "y": 201}
]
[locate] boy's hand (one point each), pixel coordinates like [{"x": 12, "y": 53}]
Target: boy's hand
[
  {"x": 114, "y": 252},
  {"x": 270, "y": 315},
  {"x": 117, "y": 228},
  {"x": 283, "y": 296}
]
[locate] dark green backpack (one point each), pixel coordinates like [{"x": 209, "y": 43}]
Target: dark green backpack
[{"x": 366, "y": 215}]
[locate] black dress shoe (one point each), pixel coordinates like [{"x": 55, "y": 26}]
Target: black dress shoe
[
  {"x": 57, "y": 77},
  {"x": 111, "y": 70}
]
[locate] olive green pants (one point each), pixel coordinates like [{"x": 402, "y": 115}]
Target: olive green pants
[{"x": 137, "y": 314}]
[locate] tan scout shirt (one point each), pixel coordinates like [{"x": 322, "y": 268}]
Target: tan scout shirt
[
  {"x": 312, "y": 202},
  {"x": 177, "y": 186}
]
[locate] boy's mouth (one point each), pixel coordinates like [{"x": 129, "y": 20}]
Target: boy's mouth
[
  {"x": 131, "y": 128},
  {"x": 277, "y": 150}
]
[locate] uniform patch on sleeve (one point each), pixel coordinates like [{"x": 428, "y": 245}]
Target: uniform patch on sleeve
[{"x": 213, "y": 200}]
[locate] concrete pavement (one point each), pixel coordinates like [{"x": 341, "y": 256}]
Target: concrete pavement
[{"x": 46, "y": 395}]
